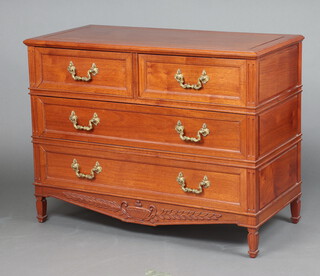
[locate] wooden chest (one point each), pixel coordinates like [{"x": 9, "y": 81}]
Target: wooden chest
[{"x": 160, "y": 126}]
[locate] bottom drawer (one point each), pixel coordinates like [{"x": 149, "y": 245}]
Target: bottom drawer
[{"x": 137, "y": 175}]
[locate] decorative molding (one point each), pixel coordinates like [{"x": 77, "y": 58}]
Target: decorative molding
[
  {"x": 182, "y": 214},
  {"x": 253, "y": 197},
  {"x": 252, "y": 147},
  {"x": 92, "y": 201},
  {"x": 135, "y": 213},
  {"x": 139, "y": 214},
  {"x": 252, "y": 83}
]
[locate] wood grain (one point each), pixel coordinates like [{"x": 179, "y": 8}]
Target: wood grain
[
  {"x": 41, "y": 205},
  {"x": 278, "y": 125},
  {"x": 156, "y": 179},
  {"x": 141, "y": 211},
  {"x": 227, "y": 83},
  {"x": 146, "y": 127},
  {"x": 114, "y": 76},
  {"x": 156, "y": 40},
  {"x": 278, "y": 73},
  {"x": 253, "y": 242},
  {"x": 278, "y": 176},
  {"x": 295, "y": 207}
]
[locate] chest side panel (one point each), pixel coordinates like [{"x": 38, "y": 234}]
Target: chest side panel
[{"x": 279, "y": 73}]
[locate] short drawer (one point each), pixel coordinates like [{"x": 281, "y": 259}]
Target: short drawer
[
  {"x": 88, "y": 72},
  {"x": 144, "y": 177},
  {"x": 205, "y": 80},
  {"x": 165, "y": 129}
]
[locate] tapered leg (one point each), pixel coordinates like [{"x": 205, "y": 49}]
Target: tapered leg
[
  {"x": 295, "y": 207},
  {"x": 253, "y": 242},
  {"x": 41, "y": 208}
]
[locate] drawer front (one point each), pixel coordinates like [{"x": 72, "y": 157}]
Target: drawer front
[
  {"x": 141, "y": 126},
  {"x": 111, "y": 73},
  {"x": 142, "y": 177},
  {"x": 223, "y": 83}
]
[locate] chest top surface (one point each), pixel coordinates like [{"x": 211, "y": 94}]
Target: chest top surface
[{"x": 134, "y": 39}]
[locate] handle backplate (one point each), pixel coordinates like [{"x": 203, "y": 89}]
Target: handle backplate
[
  {"x": 95, "y": 170},
  {"x": 91, "y": 72},
  {"x": 95, "y": 120},
  {"x": 204, "y": 131},
  {"x": 205, "y": 183},
  {"x": 203, "y": 79}
]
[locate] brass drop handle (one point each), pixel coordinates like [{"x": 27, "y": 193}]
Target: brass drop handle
[
  {"x": 95, "y": 120},
  {"x": 204, "y": 131},
  {"x": 205, "y": 183},
  {"x": 91, "y": 72},
  {"x": 95, "y": 170},
  {"x": 204, "y": 78}
]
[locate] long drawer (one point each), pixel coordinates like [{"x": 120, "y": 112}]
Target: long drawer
[
  {"x": 84, "y": 72},
  {"x": 177, "y": 130},
  {"x": 115, "y": 172}
]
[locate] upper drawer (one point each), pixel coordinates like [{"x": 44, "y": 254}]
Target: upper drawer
[
  {"x": 110, "y": 73},
  {"x": 205, "y": 80}
]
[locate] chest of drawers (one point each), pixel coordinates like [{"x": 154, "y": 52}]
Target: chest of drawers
[{"x": 160, "y": 126}]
